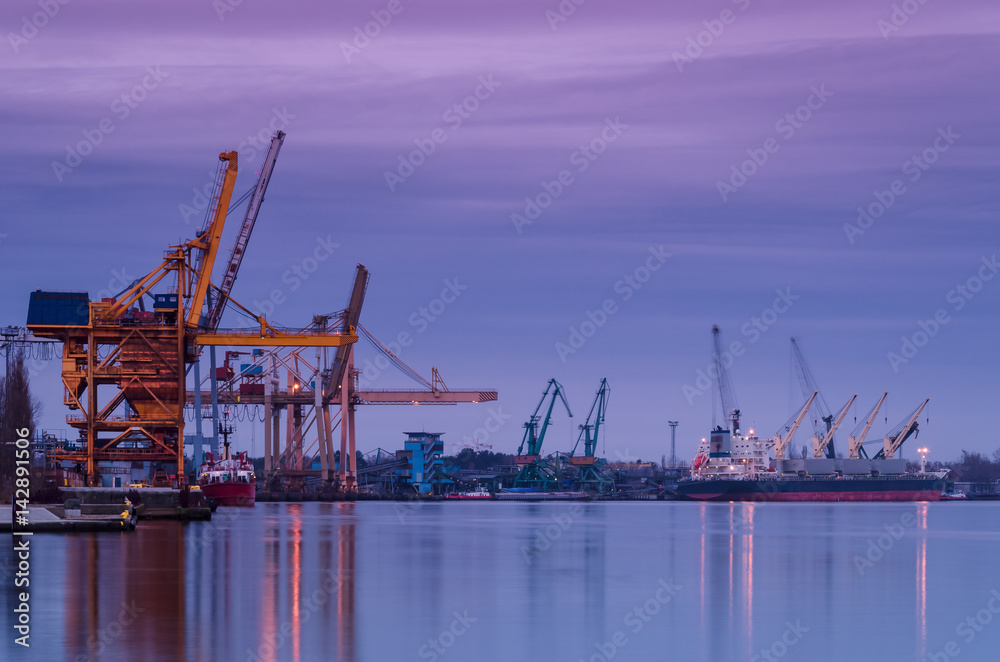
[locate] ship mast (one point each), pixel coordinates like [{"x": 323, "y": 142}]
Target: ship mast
[{"x": 225, "y": 430}]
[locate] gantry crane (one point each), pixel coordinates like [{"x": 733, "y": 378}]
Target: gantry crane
[
  {"x": 856, "y": 439},
  {"x": 821, "y": 427},
  {"x": 727, "y": 396},
  {"x": 894, "y": 440},
  {"x": 589, "y": 474},
  {"x": 822, "y": 446},
  {"x": 784, "y": 435},
  {"x": 337, "y": 388},
  {"x": 258, "y": 383},
  {"x": 535, "y": 472},
  {"x": 144, "y": 355}
]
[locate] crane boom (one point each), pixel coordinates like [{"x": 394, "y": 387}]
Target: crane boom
[
  {"x": 781, "y": 441},
  {"x": 854, "y": 441},
  {"x": 249, "y": 218},
  {"x": 820, "y": 445},
  {"x": 808, "y": 383},
  {"x": 891, "y": 443},
  {"x": 533, "y": 436},
  {"x": 598, "y": 408},
  {"x": 207, "y": 242},
  {"x": 727, "y": 397},
  {"x": 352, "y": 315}
]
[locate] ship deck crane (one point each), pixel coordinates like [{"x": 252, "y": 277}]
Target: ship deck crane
[
  {"x": 589, "y": 474},
  {"x": 808, "y": 383},
  {"x": 535, "y": 472},
  {"x": 784, "y": 436},
  {"x": 855, "y": 440},
  {"x": 727, "y": 396},
  {"x": 821, "y": 446},
  {"x": 894, "y": 440}
]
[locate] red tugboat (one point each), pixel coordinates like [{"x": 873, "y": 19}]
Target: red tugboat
[{"x": 229, "y": 480}]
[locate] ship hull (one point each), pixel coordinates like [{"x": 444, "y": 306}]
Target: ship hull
[
  {"x": 231, "y": 494},
  {"x": 863, "y": 489}
]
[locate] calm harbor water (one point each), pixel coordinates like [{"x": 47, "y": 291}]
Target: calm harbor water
[{"x": 516, "y": 581}]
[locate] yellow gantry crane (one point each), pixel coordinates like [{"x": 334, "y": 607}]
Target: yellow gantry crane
[{"x": 124, "y": 368}]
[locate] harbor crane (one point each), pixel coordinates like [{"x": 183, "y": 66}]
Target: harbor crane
[
  {"x": 218, "y": 306},
  {"x": 784, "y": 436},
  {"x": 821, "y": 426},
  {"x": 855, "y": 440},
  {"x": 822, "y": 446},
  {"x": 589, "y": 474},
  {"x": 727, "y": 397},
  {"x": 144, "y": 355},
  {"x": 894, "y": 440},
  {"x": 535, "y": 471}
]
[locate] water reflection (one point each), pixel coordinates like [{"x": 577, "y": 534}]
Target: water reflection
[
  {"x": 921, "y": 582},
  {"x": 356, "y": 582}
]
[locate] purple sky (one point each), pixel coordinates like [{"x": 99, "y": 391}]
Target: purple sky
[{"x": 683, "y": 126}]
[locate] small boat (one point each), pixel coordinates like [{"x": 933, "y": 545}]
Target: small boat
[
  {"x": 480, "y": 494},
  {"x": 230, "y": 481},
  {"x": 954, "y": 496}
]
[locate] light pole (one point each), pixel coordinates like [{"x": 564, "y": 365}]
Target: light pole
[
  {"x": 923, "y": 459},
  {"x": 673, "y": 444}
]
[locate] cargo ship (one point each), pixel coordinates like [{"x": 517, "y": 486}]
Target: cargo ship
[
  {"x": 229, "y": 480},
  {"x": 744, "y": 471}
]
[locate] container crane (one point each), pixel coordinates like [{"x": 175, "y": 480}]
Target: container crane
[
  {"x": 894, "y": 440},
  {"x": 822, "y": 446},
  {"x": 855, "y": 440},
  {"x": 727, "y": 397},
  {"x": 589, "y": 474},
  {"x": 145, "y": 354},
  {"x": 535, "y": 472},
  {"x": 821, "y": 426},
  {"x": 784, "y": 436}
]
